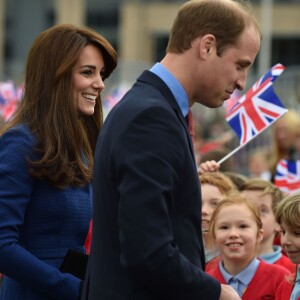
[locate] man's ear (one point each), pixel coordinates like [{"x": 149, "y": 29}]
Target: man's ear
[{"x": 207, "y": 45}]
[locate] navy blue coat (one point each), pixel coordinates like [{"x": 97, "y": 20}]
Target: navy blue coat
[
  {"x": 146, "y": 241},
  {"x": 38, "y": 224}
]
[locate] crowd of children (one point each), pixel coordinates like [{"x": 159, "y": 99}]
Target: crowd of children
[
  {"x": 236, "y": 230},
  {"x": 242, "y": 224}
]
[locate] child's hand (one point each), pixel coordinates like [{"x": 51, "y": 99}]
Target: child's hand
[
  {"x": 208, "y": 166},
  {"x": 228, "y": 293}
]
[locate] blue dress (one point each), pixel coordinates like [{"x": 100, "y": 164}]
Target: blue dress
[{"x": 38, "y": 224}]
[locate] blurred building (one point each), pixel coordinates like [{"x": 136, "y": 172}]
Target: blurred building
[{"x": 137, "y": 28}]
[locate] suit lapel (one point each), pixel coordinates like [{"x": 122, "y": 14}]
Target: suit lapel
[{"x": 154, "y": 80}]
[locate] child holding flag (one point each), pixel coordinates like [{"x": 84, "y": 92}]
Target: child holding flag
[{"x": 236, "y": 229}]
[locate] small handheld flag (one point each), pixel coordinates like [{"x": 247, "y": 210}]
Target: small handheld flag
[
  {"x": 256, "y": 110},
  {"x": 10, "y": 97},
  {"x": 287, "y": 176}
]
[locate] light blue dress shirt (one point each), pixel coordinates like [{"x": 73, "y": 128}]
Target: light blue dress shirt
[
  {"x": 174, "y": 85},
  {"x": 272, "y": 257},
  {"x": 241, "y": 280},
  {"x": 296, "y": 290}
]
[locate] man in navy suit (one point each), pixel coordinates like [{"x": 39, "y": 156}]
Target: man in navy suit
[{"x": 147, "y": 241}]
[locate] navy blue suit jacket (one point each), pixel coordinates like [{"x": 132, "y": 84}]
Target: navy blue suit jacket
[{"x": 146, "y": 241}]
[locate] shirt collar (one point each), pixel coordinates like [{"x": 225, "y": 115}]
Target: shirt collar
[
  {"x": 298, "y": 275},
  {"x": 296, "y": 290},
  {"x": 272, "y": 257},
  {"x": 245, "y": 276},
  {"x": 174, "y": 85}
]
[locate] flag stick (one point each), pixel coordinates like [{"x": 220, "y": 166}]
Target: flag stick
[
  {"x": 241, "y": 146},
  {"x": 232, "y": 152}
]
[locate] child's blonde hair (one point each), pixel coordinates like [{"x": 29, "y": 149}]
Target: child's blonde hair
[
  {"x": 221, "y": 181},
  {"x": 265, "y": 187},
  {"x": 288, "y": 210}
]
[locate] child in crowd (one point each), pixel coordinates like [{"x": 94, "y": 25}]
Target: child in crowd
[
  {"x": 213, "y": 188},
  {"x": 237, "y": 178},
  {"x": 288, "y": 216},
  {"x": 236, "y": 230},
  {"x": 258, "y": 164},
  {"x": 267, "y": 196}
]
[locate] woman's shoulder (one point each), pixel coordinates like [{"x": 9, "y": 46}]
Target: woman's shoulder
[
  {"x": 19, "y": 133},
  {"x": 17, "y": 139},
  {"x": 18, "y": 128}
]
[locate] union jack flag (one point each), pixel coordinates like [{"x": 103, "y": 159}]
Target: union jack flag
[
  {"x": 258, "y": 108},
  {"x": 232, "y": 101},
  {"x": 115, "y": 95},
  {"x": 10, "y": 97},
  {"x": 287, "y": 176},
  {"x": 2, "y": 100}
]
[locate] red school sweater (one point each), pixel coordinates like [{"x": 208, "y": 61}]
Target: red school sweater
[
  {"x": 283, "y": 261},
  {"x": 269, "y": 282}
]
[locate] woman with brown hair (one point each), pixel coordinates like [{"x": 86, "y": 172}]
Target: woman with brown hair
[
  {"x": 46, "y": 162},
  {"x": 283, "y": 139}
]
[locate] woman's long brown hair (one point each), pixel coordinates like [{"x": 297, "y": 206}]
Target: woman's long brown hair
[{"x": 65, "y": 142}]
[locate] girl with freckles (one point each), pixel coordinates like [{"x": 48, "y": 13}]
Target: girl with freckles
[{"x": 236, "y": 229}]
